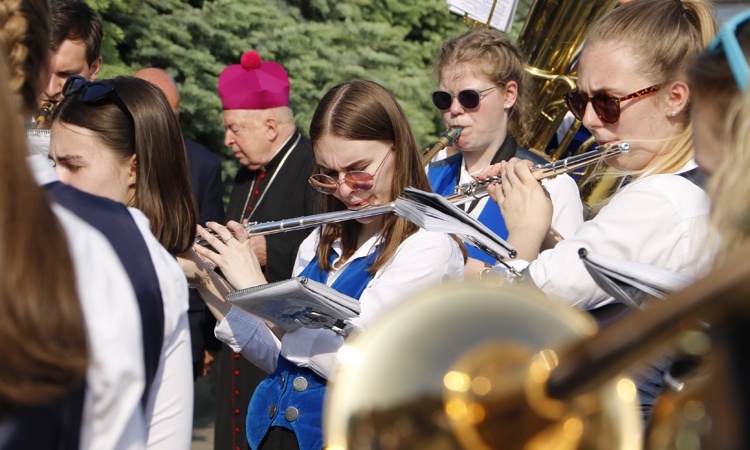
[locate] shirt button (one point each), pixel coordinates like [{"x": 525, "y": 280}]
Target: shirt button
[
  {"x": 237, "y": 373},
  {"x": 237, "y": 411},
  {"x": 237, "y": 393},
  {"x": 272, "y": 411},
  {"x": 236, "y": 356},
  {"x": 291, "y": 414},
  {"x": 236, "y": 429},
  {"x": 282, "y": 378},
  {"x": 300, "y": 384},
  {"x": 262, "y": 175},
  {"x": 249, "y": 208},
  {"x": 256, "y": 192}
]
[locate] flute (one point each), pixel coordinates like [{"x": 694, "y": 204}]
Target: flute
[
  {"x": 300, "y": 223},
  {"x": 465, "y": 192},
  {"x": 475, "y": 190}
]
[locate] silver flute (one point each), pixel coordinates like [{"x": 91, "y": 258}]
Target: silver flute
[
  {"x": 464, "y": 193},
  {"x": 300, "y": 223},
  {"x": 474, "y": 190}
]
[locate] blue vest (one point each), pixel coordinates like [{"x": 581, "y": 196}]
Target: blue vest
[
  {"x": 114, "y": 221},
  {"x": 444, "y": 176},
  {"x": 292, "y": 397}
]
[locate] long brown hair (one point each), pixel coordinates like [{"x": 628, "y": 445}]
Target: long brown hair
[
  {"x": 42, "y": 335},
  {"x": 365, "y": 111},
  {"x": 490, "y": 54},
  {"x": 163, "y": 190}
]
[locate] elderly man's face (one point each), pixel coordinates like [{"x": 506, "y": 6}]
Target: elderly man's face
[{"x": 246, "y": 133}]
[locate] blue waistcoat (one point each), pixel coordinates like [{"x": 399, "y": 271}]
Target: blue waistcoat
[
  {"x": 445, "y": 174},
  {"x": 292, "y": 397}
]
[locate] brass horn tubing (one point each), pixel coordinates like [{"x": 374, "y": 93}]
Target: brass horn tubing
[
  {"x": 446, "y": 139},
  {"x": 478, "y": 189},
  {"x": 43, "y": 114},
  {"x": 718, "y": 297},
  {"x": 300, "y": 223}
]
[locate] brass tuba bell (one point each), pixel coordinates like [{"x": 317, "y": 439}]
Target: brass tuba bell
[{"x": 464, "y": 366}]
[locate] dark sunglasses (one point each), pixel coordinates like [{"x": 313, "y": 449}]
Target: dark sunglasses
[
  {"x": 357, "y": 180},
  {"x": 468, "y": 98},
  {"x": 94, "y": 92},
  {"x": 606, "y": 107},
  {"x": 726, "y": 40}
]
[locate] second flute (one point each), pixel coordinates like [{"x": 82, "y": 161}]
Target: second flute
[{"x": 473, "y": 190}]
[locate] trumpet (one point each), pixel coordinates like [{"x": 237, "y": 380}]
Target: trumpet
[
  {"x": 474, "y": 190},
  {"x": 44, "y": 113}
]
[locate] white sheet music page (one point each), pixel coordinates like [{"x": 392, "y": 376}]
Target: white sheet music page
[{"x": 479, "y": 10}]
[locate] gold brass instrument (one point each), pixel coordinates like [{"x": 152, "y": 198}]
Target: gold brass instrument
[
  {"x": 40, "y": 121},
  {"x": 477, "y": 189},
  {"x": 446, "y": 140},
  {"x": 551, "y": 37},
  {"x": 464, "y": 194},
  {"x": 464, "y": 366}
]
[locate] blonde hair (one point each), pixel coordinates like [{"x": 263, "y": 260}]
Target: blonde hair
[
  {"x": 729, "y": 186},
  {"x": 24, "y": 42},
  {"x": 665, "y": 38},
  {"x": 490, "y": 54}
]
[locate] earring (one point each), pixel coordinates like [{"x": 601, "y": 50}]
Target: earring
[
  {"x": 674, "y": 113},
  {"x": 506, "y": 106}
]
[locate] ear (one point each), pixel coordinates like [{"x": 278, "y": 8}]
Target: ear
[
  {"x": 679, "y": 95},
  {"x": 272, "y": 128},
  {"x": 94, "y": 68},
  {"x": 132, "y": 167},
  {"x": 511, "y": 94}
]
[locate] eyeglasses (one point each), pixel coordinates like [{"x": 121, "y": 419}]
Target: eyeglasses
[
  {"x": 94, "y": 92},
  {"x": 468, "y": 98},
  {"x": 607, "y": 107},
  {"x": 357, "y": 180},
  {"x": 726, "y": 39}
]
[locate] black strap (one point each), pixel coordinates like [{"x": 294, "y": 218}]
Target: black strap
[{"x": 118, "y": 226}]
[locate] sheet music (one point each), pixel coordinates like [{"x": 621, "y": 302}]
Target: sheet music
[
  {"x": 434, "y": 213},
  {"x": 632, "y": 282},
  {"x": 479, "y": 10}
]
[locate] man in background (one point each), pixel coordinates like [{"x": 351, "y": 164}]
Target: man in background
[
  {"x": 271, "y": 185},
  {"x": 75, "y": 41}
]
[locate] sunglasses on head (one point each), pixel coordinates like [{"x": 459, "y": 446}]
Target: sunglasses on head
[
  {"x": 468, "y": 98},
  {"x": 726, "y": 40},
  {"x": 606, "y": 107},
  {"x": 94, "y": 92},
  {"x": 357, "y": 180}
]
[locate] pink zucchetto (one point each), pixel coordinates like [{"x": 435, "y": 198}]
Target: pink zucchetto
[{"x": 253, "y": 84}]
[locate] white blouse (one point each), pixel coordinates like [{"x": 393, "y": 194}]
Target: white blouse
[
  {"x": 424, "y": 259},
  {"x": 659, "y": 220}
]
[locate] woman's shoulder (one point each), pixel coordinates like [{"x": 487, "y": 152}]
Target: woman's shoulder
[{"x": 431, "y": 241}]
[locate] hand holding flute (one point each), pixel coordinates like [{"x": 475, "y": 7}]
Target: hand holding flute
[{"x": 524, "y": 204}]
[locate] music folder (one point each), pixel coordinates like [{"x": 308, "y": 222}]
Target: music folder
[
  {"x": 632, "y": 283},
  {"x": 297, "y": 302}
]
